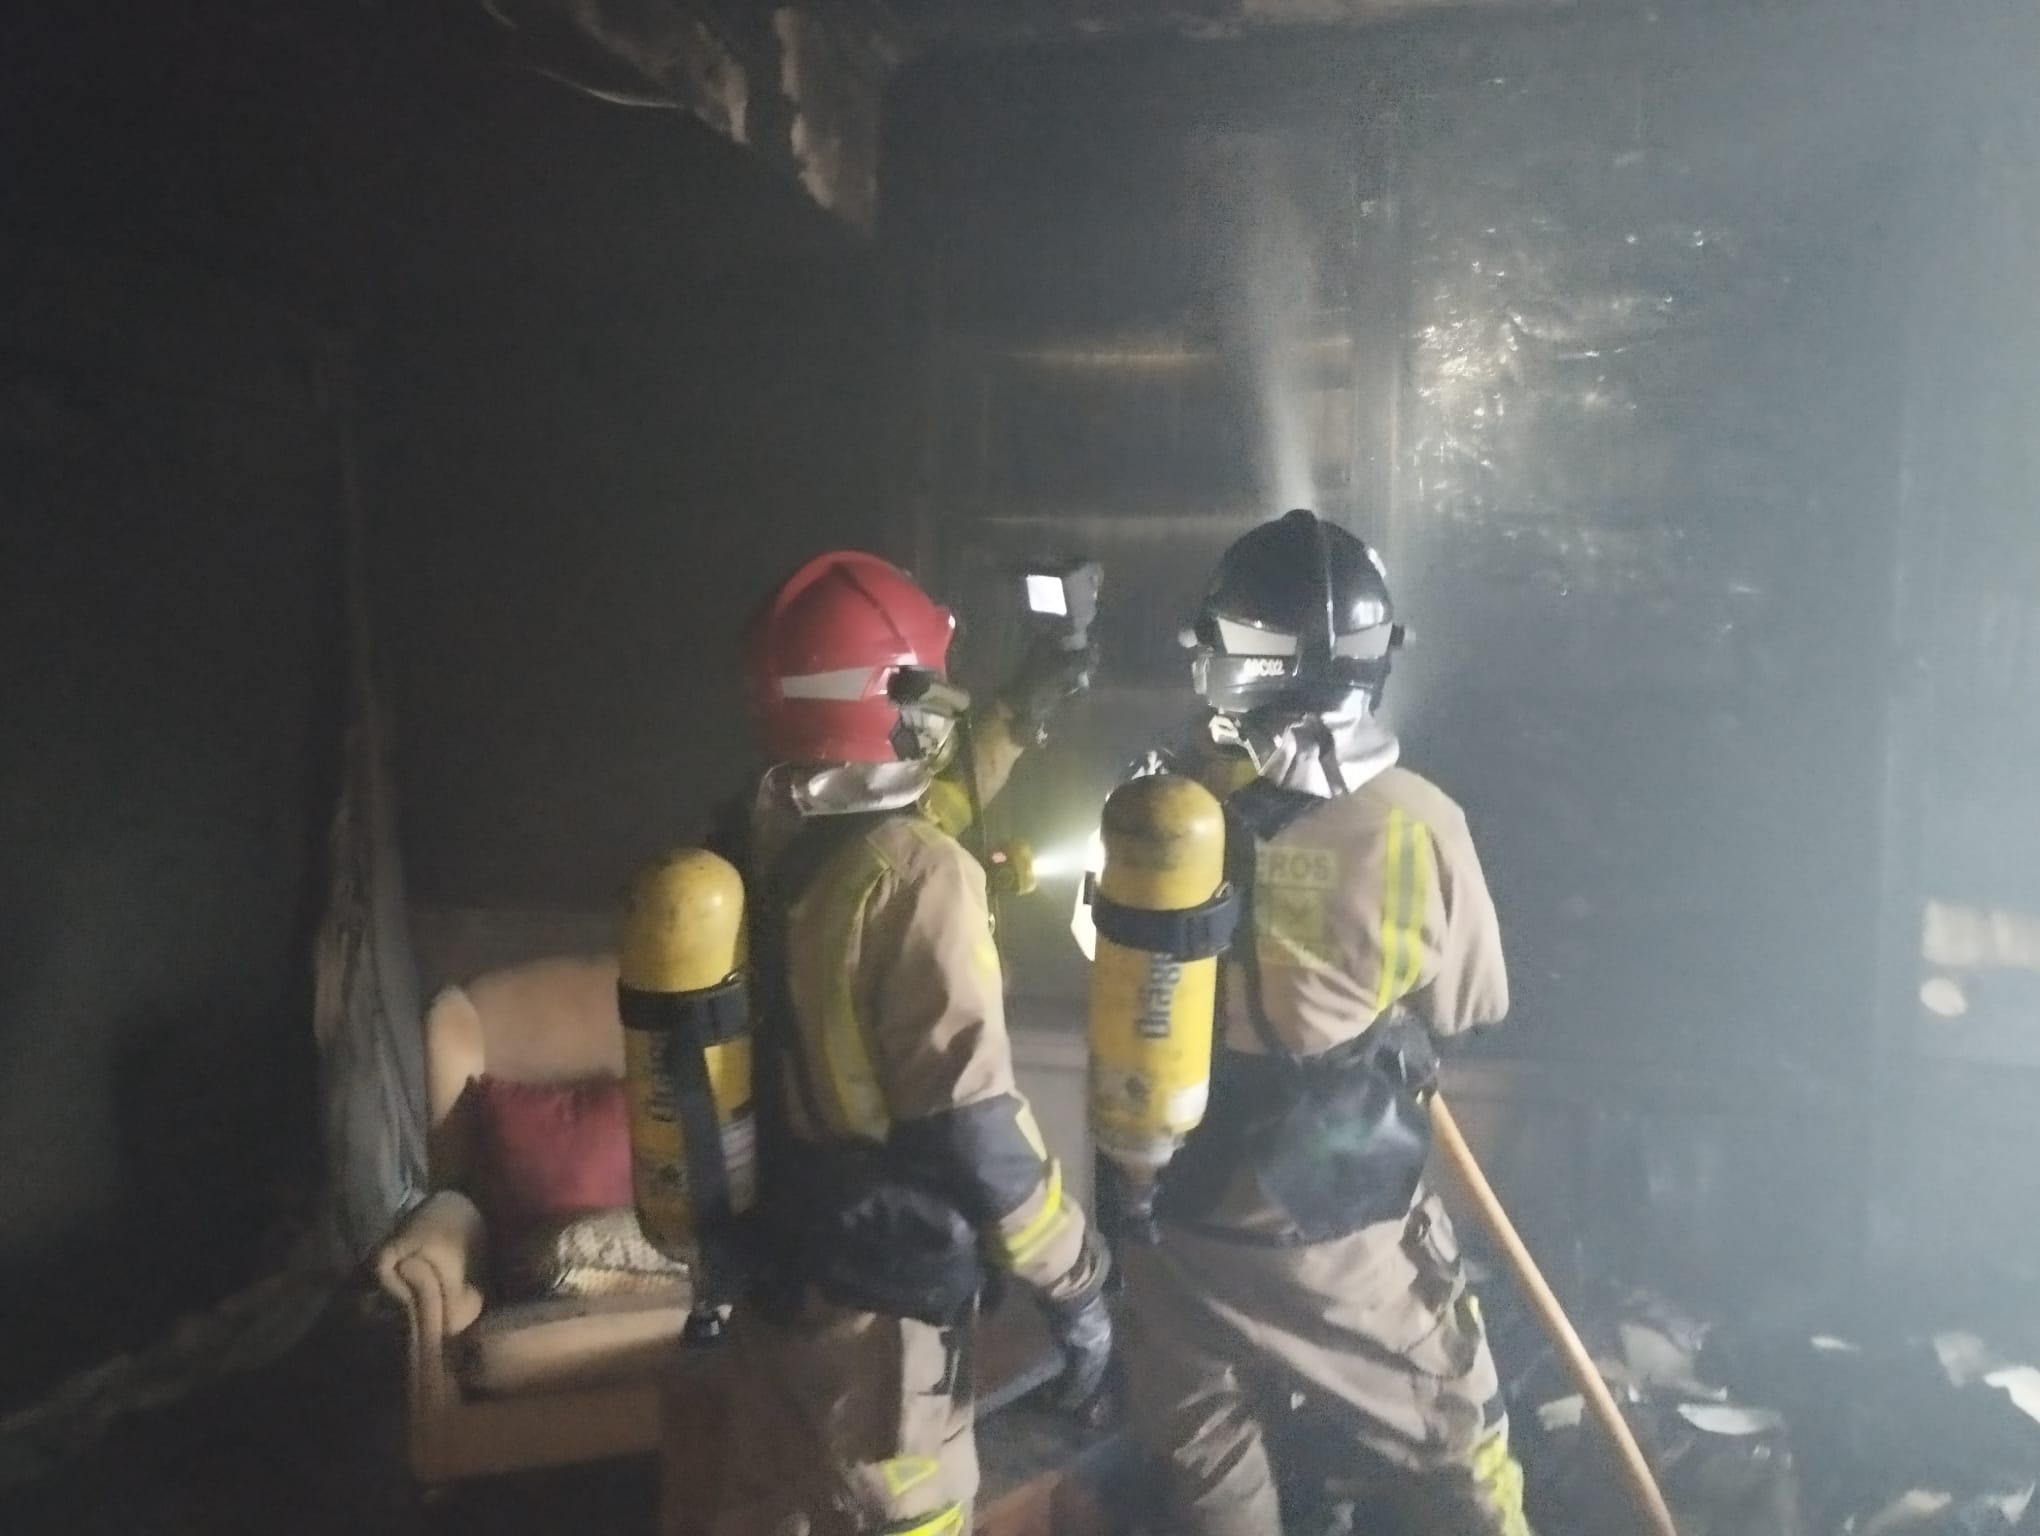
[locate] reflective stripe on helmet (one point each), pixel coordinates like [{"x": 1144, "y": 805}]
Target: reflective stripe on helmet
[
  {"x": 1237, "y": 639},
  {"x": 1366, "y": 644},
  {"x": 847, "y": 683}
]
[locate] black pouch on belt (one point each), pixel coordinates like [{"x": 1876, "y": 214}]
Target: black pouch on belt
[
  {"x": 1345, "y": 1151},
  {"x": 871, "y": 1237},
  {"x": 1337, "y": 1142}
]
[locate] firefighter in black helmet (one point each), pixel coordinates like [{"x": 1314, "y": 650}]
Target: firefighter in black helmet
[
  {"x": 1303, "y": 1310},
  {"x": 1297, "y": 631}
]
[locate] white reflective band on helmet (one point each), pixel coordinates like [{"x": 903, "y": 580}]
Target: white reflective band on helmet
[
  {"x": 844, "y": 683},
  {"x": 1365, "y": 644},
  {"x": 1239, "y": 639}
]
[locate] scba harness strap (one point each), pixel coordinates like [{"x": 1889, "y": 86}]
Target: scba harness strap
[
  {"x": 1336, "y": 1140},
  {"x": 685, "y": 1026},
  {"x": 1257, "y": 814},
  {"x": 847, "y": 1215}
]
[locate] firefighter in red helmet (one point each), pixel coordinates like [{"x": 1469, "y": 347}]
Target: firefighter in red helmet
[{"x": 900, "y": 1170}]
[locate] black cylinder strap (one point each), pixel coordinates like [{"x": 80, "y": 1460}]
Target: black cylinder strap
[
  {"x": 690, "y": 1023},
  {"x": 710, "y": 1016},
  {"x": 1186, "y": 933}
]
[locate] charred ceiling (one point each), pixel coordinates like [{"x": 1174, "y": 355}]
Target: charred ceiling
[{"x": 801, "y": 84}]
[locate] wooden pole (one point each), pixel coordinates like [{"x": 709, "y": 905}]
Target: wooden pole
[{"x": 1650, "y": 1499}]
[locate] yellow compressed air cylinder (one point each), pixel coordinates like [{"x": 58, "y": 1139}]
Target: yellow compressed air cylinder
[
  {"x": 1152, "y": 1004},
  {"x": 687, "y": 1049}
]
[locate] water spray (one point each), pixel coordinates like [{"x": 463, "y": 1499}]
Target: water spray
[{"x": 1266, "y": 262}]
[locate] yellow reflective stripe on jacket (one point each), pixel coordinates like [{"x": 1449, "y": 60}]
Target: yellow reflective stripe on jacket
[
  {"x": 903, "y": 1474},
  {"x": 1044, "y": 1226},
  {"x": 947, "y": 804},
  {"x": 947, "y": 1521},
  {"x": 1418, "y": 857},
  {"x": 1498, "y": 1480},
  {"x": 846, "y": 1051},
  {"x": 1404, "y": 896}
]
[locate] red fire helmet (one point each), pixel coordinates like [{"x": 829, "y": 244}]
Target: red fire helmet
[{"x": 820, "y": 654}]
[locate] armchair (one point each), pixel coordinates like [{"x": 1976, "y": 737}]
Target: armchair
[{"x": 496, "y": 1385}]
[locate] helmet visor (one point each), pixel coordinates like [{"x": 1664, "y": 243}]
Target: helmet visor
[{"x": 1239, "y": 683}]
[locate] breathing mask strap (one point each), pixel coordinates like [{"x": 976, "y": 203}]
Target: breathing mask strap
[
  {"x": 930, "y": 708},
  {"x": 1258, "y": 737},
  {"x": 1328, "y": 756},
  {"x": 1237, "y": 733}
]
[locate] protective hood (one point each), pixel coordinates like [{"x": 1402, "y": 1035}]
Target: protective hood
[
  {"x": 1298, "y": 753},
  {"x": 846, "y": 788}
]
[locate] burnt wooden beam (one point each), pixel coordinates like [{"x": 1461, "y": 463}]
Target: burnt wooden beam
[{"x": 800, "y": 85}]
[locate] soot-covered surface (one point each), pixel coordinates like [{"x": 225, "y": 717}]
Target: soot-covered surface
[{"x": 1665, "y": 357}]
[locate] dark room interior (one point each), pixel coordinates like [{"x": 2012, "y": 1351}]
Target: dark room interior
[{"x": 405, "y": 410}]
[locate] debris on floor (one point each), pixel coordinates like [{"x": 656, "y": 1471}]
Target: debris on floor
[{"x": 1770, "y": 1429}]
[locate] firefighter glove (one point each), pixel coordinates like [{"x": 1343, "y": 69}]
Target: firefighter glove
[
  {"x": 1083, "y": 1333},
  {"x": 1048, "y": 677}
]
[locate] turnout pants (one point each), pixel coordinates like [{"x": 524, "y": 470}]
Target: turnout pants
[
  {"x": 847, "y": 1424},
  {"x": 1265, "y": 1377}
]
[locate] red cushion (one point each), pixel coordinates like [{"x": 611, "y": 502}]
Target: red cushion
[{"x": 548, "y": 1151}]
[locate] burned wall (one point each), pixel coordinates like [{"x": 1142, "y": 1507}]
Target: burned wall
[
  {"x": 1959, "y": 1086},
  {"x": 1649, "y": 486},
  {"x": 618, "y": 379},
  {"x": 611, "y": 378},
  {"x": 169, "y": 672},
  {"x": 176, "y": 284},
  {"x": 1640, "y": 408}
]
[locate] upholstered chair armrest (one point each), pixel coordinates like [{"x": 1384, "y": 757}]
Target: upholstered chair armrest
[{"x": 433, "y": 1262}]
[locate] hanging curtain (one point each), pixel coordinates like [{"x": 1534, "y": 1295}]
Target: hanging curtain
[{"x": 366, "y": 1008}]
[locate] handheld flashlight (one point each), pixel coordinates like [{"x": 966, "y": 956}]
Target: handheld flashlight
[{"x": 1010, "y": 870}]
